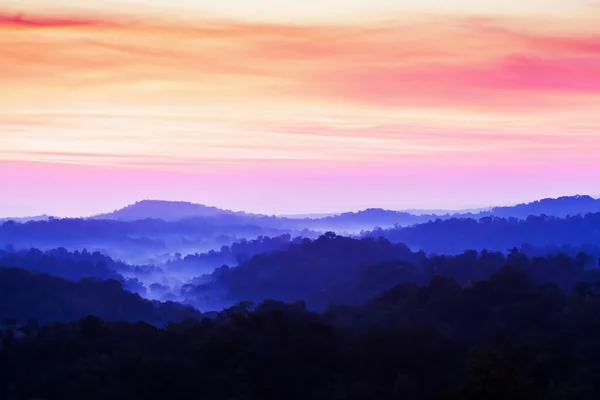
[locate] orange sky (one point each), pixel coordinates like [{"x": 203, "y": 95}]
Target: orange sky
[{"x": 221, "y": 91}]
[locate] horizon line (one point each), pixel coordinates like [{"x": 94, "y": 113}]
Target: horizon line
[{"x": 282, "y": 214}]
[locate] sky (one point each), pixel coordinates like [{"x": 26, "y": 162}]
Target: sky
[{"x": 282, "y": 106}]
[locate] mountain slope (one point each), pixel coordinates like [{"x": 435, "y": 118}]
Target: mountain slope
[
  {"x": 165, "y": 210},
  {"x": 365, "y": 219},
  {"x": 559, "y": 207},
  {"x": 28, "y": 295}
]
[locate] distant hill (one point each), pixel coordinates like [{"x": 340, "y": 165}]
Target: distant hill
[
  {"x": 560, "y": 207},
  {"x": 165, "y": 210},
  {"x": 423, "y": 211},
  {"x": 453, "y": 235},
  {"x": 365, "y": 219},
  {"x": 26, "y": 219},
  {"x": 352, "y": 221},
  {"x": 305, "y": 216}
]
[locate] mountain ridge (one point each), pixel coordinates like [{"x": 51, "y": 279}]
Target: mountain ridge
[
  {"x": 166, "y": 210},
  {"x": 181, "y": 210},
  {"x": 144, "y": 209}
]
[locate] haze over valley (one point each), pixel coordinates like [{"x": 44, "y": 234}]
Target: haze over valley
[{"x": 179, "y": 250}]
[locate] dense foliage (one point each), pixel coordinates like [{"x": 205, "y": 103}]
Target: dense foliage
[
  {"x": 25, "y": 295},
  {"x": 76, "y": 265},
  {"x": 501, "y": 338},
  {"x": 334, "y": 269}
]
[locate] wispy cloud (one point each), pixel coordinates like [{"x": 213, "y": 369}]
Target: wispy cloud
[
  {"x": 437, "y": 62},
  {"x": 20, "y": 20},
  {"x": 423, "y": 89}
]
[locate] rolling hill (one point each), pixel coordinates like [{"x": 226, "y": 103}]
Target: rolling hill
[{"x": 165, "y": 210}]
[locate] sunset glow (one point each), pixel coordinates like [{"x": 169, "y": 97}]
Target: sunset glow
[{"x": 302, "y": 108}]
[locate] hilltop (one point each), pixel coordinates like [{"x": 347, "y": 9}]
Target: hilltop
[
  {"x": 165, "y": 210},
  {"x": 558, "y": 207}
]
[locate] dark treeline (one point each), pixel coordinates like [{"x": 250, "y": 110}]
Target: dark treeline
[
  {"x": 500, "y": 338},
  {"x": 593, "y": 251},
  {"x": 28, "y": 295},
  {"x": 334, "y": 269},
  {"x": 60, "y": 262},
  {"x": 75, "y": 265},
  {"x": 455, "y": 235}
]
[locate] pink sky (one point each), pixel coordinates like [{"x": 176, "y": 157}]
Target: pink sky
[{"x": 301, "y": 110}]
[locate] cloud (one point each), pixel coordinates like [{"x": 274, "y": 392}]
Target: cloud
[
  {"x": 435, "y": 61},
  {"x": 518, "y": 83},
  {"x": 19, "y": 20},
  {"x": 429, "y": 90}
]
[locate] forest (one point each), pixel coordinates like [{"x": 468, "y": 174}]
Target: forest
[
  {"x": 151, "y": 302},
  {"x": 504, "y": 337},
  {"x": 456, "y": 234},
  {"x": 338, "y": 269}
]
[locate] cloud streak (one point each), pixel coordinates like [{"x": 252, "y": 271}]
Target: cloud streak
[
  {"x": 19, "y": 20},
  {"x": 437, "y": 62},
  {"x": 427, "y": 96}
]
